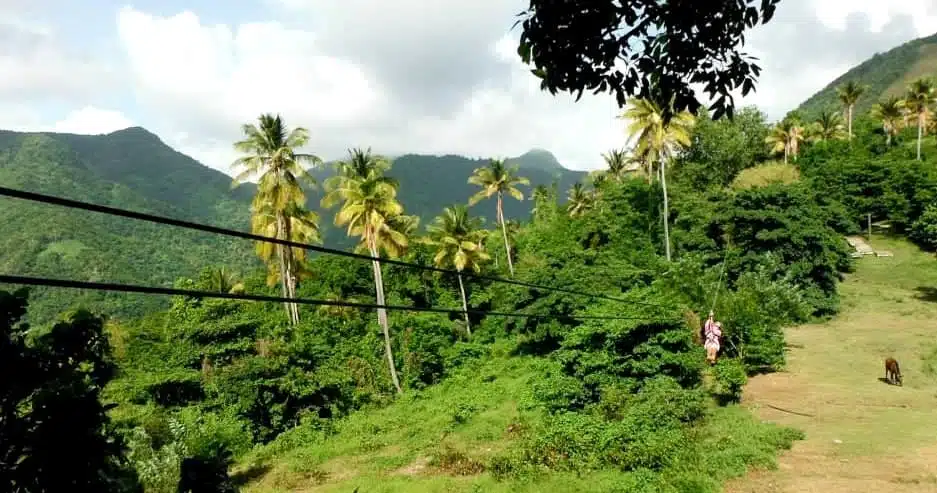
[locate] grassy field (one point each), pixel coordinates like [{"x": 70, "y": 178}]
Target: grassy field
[{"x": 862, "y": 434}]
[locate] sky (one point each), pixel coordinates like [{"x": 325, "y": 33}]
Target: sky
[{"x": 438, "y": 77}]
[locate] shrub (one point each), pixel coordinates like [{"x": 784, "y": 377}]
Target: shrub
[
  {"x": 924, "y": 230},
  {"x": 729, "y": 379}
]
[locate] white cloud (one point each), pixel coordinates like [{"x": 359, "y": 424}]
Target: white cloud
[
  {"x": 834, "y": 13},
  {"x": 37, "y": 67},
  {"x": 87, "y": 121},
  {"x": 204, "y": 81},
  {"x": 91, "y": 121}
]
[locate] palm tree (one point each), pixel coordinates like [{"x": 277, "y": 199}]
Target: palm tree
[
  {"x": 578, "y": 201},
  {"x": 921, "y": 96},
  {"x": 827, "y": 126},
  {"x": 540, "y": 196},
  {"x": 222, "y": 280},
  {"x": 891, "y": 111},
  {"x": 785, "y": 137},
  {"x": 618, "y": 163},
  {"x": 301, "y": 226},
  {"x": 497, "y": 179},
  {"x": 848, "y": 94},
  {"x": 269, "y": 149},
  {"x": 657, "y": 142},
  {"x": 457, "y": 237},
  {"x": 370, "y": 210}
]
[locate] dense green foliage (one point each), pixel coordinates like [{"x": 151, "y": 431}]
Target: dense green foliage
[
  {"x": 885, "y": 74},
  {"x": 54, "y": 432},
  {"x": 203, "y": 385}
]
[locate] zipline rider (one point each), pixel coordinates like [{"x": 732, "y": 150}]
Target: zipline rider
[{"x": 712, "y": 332}]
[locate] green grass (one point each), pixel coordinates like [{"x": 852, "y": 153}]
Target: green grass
[
  {"x": 445, "y": 439},
  {"x": 862, "y": 435}
]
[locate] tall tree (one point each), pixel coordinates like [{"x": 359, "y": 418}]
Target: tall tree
[
  {"x": 270, "y": 149},
  {"x": 848, "y": 94},
  {"x": 785, "y": 137},
  {"x": 921, "y": 96},
  {"x": 370, "y": 210},
  {"x": 665, "y": 49},
  {"x": 827, "y": 126},
  {"x": 496, "y": 179},
  {"x": 300, "y": 225},
  {"x": 55, "y": 433},
  {"x": 658, "y": 141},
  {"x": 891, "y": 111},
  {"x": 540, "y": 196},
  {"x": 457, "y": 237},
  {"x": 579, "y": 200},
  {"x": 617, "y": 163}
]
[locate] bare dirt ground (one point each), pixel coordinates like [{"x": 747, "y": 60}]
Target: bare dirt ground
[{"x": 863, "y": 435}]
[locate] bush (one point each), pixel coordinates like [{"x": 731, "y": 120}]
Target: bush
[
  {"x": 55, "y": 434},
  {"x": 924, "y": 230},
  {"x": 626, "y": 352},
  {"x": 729, "y": 379},
  {"x": 652, "y": 428}
]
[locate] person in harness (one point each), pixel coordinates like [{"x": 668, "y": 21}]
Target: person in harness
[{"x": 712, "y": 332}]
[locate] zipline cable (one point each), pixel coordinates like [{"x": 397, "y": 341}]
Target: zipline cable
[
  {"x": 719, "y": 282},
  {"x": 75, "y": 204},
  {"x": 131, "y": 288}
]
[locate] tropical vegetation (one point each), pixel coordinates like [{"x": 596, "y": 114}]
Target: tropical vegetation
[{"x": 560, "y": 351}]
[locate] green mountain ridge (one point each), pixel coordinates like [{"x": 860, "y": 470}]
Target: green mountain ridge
[
  {"x": 133, "y": 169},
  {"x": 885, "y": 74}
]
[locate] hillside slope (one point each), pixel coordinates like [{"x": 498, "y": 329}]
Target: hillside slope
[
  {"x": 430, "y": 183},
  {"x": 134, "y": 169},
  {"x": 52, "y": 241},
  {"x": 885, "y": 74}
]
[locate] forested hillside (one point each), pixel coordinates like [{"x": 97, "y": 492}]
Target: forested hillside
[
  {"x": 134, "y": 169},
  {"x": 885, "y": 74},
  {"x": 51, "y": 241}
]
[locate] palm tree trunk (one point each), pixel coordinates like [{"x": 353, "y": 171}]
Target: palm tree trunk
[
  {"x": 504, "y": 233},
  {"x": 663, "y": 184},
  {"x": 887, "y": 134},
  {"x": 382, "y": 317},
  {"x": 468, "y": 326},
  {"x": 920, "y": 134},
  {"x": 849, "y": 110},
  {"x": 282, "y": 253}
]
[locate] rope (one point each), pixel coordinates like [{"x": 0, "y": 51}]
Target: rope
[
  {"x": 131, "y": 288},
  {"x": 48, "y": 199},
  {"x": 719, "y": 282}
]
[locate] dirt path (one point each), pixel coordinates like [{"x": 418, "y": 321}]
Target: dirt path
[{"x": 862, "y": 434}]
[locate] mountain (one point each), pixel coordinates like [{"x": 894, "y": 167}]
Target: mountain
[
  {"x": 885, "y": 74},
  {"x": 430, "y": 183},
  {"x": 133, "y": 169}
]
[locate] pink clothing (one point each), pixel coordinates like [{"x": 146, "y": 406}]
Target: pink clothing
[{"x": 713, "y": 333}]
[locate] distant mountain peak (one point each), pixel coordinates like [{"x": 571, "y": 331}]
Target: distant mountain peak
[
  {"x": 136, "y": 132},
  {"x": 539, "y": 159}
]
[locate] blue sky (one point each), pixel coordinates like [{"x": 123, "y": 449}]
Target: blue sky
[{"x": 402, "y": 76}]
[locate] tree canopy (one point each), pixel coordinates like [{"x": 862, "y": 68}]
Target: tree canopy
[{"x": 644, "y": 48}]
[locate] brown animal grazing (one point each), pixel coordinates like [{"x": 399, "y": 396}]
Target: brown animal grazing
[{"x": 892, "y": 372}]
